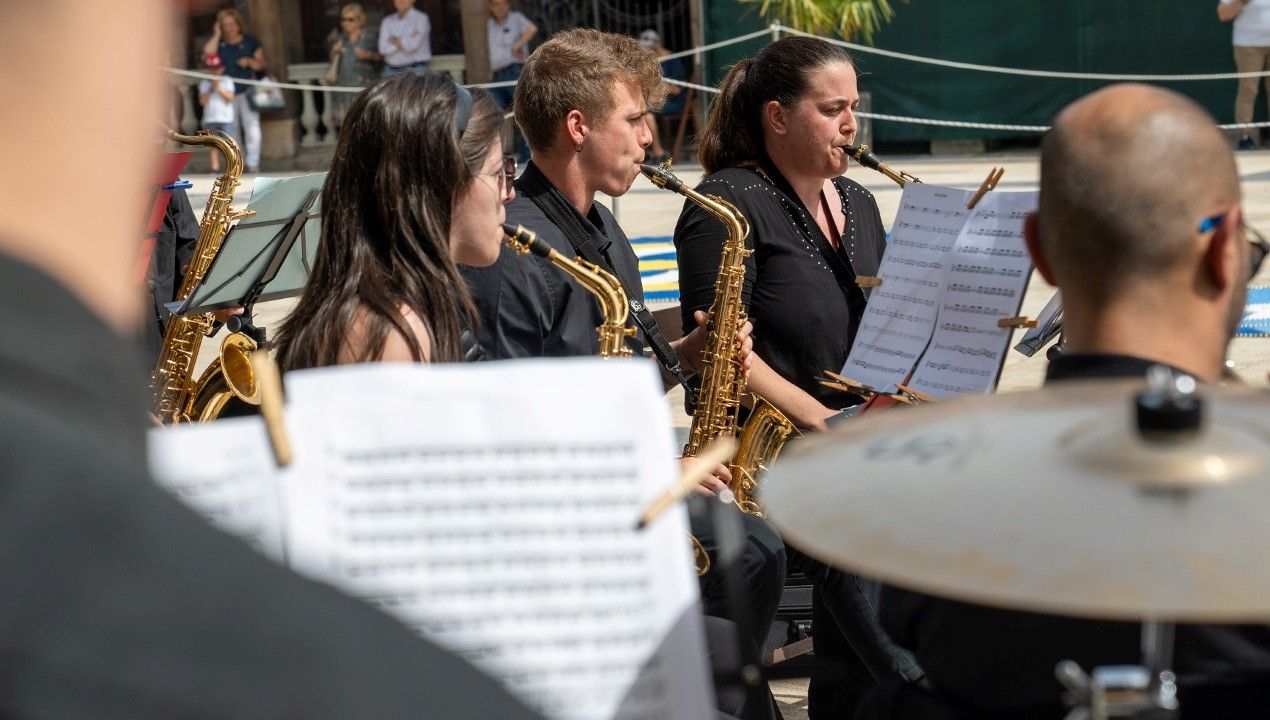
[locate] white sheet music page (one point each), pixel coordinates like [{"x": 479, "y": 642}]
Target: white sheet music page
[
  {"x": 226, "y": 472},
  {"x": 900, "y": 316},
  {"x": 987, "y": 274},
  {"x": 491, "y": 507}
]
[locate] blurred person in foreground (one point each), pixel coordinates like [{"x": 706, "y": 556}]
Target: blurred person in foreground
[{"x": 119, "y": 602}]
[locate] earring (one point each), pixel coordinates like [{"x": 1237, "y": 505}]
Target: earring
[{"x": 578, "y": 147}]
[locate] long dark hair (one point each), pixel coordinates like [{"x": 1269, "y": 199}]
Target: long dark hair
[
  {"x": 401, "y": 160},
  {"x": 780, "y": 72}
]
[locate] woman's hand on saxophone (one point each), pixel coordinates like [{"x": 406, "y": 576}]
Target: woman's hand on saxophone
[
  {"x": 690, "y": 347},
  {"x": 711, "y": 485}
]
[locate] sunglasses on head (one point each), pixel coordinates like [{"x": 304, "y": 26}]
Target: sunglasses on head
[{"x": 1258, "y": 247}]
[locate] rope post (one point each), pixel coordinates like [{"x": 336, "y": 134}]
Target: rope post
[{"x": 776, "y": 31}]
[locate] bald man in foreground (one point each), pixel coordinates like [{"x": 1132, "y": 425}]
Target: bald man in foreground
[
  {"x": 115, "y": 600},
  {"x": 1141, "y": 227}
]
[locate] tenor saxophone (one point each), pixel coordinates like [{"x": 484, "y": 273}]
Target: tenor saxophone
[
  {"x": 175, "y": 395},
  {"x": 613, "y": 331},
  {"x": 722, "y": 379}
]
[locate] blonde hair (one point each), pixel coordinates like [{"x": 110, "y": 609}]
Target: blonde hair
[
  {"x": 575, "y": 70},
  {"x": 232, "y": 13},
  {"x": 358, "y": 12}
]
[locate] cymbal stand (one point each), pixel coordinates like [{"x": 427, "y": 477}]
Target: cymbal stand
[
  {"x": 730, "y": 539},
  {"x": 1124, "y": 692},
  {"x": 1168, "y": 410}
]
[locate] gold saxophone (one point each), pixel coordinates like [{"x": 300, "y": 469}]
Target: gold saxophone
[
  {"x": 867, "y": 158},
  {"x": 176, "y": 396},
  {"x": 613, "y": 331},
  {"x": 722, "y": 380},
  {"x": 601, "y": 283}
]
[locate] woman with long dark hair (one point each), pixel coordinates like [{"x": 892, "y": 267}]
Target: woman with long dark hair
[
  {"x": 418, "y": 184},
  {"x": 774, "y": 147}
]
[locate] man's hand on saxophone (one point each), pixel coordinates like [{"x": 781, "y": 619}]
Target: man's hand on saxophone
[
  {"x": 690, "y": 347},
  {"x": 712, "y": 484}
]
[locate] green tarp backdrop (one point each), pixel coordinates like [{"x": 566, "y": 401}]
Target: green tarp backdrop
[{"x": 1095, "y": 36}]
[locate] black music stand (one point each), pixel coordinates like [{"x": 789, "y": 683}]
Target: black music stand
[{"x": 266, "y": 257}]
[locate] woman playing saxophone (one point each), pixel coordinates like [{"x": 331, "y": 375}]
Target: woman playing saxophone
[{"x": 775, "y": 148}]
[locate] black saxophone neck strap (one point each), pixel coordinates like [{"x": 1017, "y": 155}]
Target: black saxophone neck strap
[{"x": 536, "y": 187}]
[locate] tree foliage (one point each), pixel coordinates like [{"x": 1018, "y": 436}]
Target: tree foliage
[{"x": 852, "y": 19}]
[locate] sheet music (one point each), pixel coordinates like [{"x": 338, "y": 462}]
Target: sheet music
[
  {"x": 491, "y": 507},
  {"x": 900, "y": 317},
  {"x": 987, "y": 274},
  {"x": 224, "y": 470}
]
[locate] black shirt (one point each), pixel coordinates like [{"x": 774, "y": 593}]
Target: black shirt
[
  {"x": 799, "y": 290},
  {"x": 120, "y": 602},
  {"x": 530, "y": 308},
  {"x": 173, "y": 249},
  {"x": 986, "y": 660}
]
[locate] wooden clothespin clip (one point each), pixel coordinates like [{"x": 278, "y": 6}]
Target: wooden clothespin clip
[
  {"x": 1018, "y": 321},
  {"x": 989, "y": 184},
  {"x": 917, "y": 395},
  {"x": 270, "y": 382},
  {"x": 867, "y": 281}
]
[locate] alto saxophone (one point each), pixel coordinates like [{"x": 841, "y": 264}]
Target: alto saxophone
[
  {"x": 613, "y": 331},
  {"x": 176, "y": 397},
  {"x": 722, "y": 380}
]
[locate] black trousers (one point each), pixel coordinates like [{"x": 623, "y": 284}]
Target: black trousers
[
  {"x": 853, "y": 652},
  {"x": 763, "y": 564}
]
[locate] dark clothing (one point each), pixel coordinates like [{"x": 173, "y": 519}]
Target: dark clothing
[
  {"x": 802, "y": 297},
  {"x": 984, "y": 661},
  {"x": 231, "y": 53},
  {"x": 173, "y": 249},
  {"x": 763, "y": 562},
  {"x": 120, "y": 602},
  {"x": 800, "y": 291},
  {"x": 530, "y": 308}
]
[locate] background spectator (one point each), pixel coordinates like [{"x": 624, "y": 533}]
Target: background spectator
[
  {"x": 358, "y": 59},
  {"x": 1251, "y": 38},
  {"x": 217, "y": 99},
  {"x": 508, "y": 32},
  {"x": 405, "y": 39},
  {"x": 244, "y": 59},
  {"x": 674, "y": 70}
]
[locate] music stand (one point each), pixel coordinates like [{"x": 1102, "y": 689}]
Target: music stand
[{"x": 267, "y": 257}]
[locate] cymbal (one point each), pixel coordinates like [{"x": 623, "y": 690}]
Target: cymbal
[{"x": 1047, "y": 501}]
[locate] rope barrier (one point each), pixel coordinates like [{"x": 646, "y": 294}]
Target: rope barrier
[
  {"x": 777, "y": 28},
  {"x": 1023, "y": 71}
]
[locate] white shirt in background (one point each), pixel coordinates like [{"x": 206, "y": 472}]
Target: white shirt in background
[
  {"x": 415, "y": 32},
  {"x": 217, "y": 109},
  {"x": 1252, "y": 25}
]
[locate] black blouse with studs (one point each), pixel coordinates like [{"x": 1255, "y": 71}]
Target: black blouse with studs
[{"x": 800, "y": 291}]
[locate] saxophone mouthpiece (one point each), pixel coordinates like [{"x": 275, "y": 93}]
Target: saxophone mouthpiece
[
  {"x": 863, "y": 155},
  {"x": 523, "y": 240},
  {"x": 661, "y": 176}
]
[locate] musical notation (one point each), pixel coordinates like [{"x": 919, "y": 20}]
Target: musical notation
[
  {"x": 442, "y": 496},
  {"x": 866, "y": 327},
  {"x": 988, "y": 270},
  {"x": 962, "y": 349},
  {"x": 934, "y": 210},
  {"x": 909, "y": 298},
  {"x": 981, "y": 290},
  {"x": 915, "y": 262},
  {"x": 1005, "y": 252},
  {"x": 970, "y": 329}
]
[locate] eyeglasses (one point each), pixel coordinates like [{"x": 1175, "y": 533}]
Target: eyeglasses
[
  {"x": 1258, "y": 247},
  {"x": 510, "y": 165}
]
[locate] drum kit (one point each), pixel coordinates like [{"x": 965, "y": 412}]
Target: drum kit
[{"x": 1108, "y": 500}]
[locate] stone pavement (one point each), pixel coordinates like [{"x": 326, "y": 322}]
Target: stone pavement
[{"x": 647, "y": 211}]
